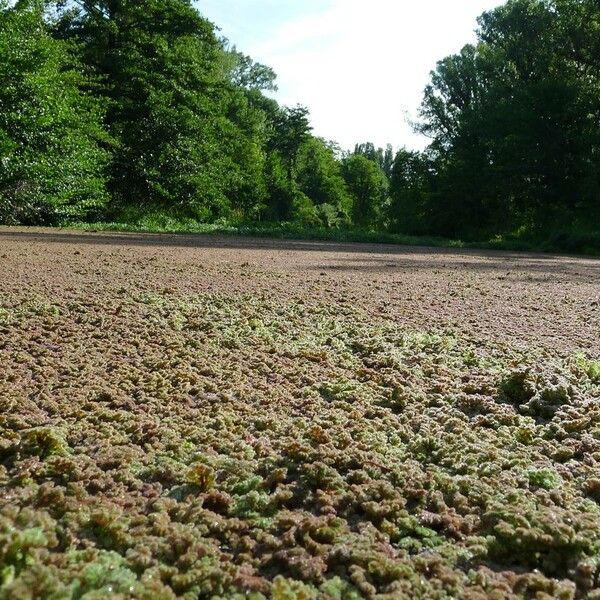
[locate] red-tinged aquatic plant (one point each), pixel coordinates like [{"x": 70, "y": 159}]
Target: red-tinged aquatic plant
[{"x": 233, "y": 446}]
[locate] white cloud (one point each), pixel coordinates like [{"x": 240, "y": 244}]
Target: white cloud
[{"x": 360, "y": 66}]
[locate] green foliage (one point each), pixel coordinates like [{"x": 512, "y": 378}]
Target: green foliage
[
  {"x": 155, "y": 58},
  {"x": 282, "y": 191},
  {"x": 590, "y": 367},
  {"x": 514, "y": 123},
  {"x": 409, "y": 180},
  {"x": 518, "y": 387},
  {"x": 18, "y": 546},
  {"x": 44, "y": 442},
  {"x": 383, "y": 158},
  {"x": 51, "y": 159},
  {"x": 368, "y": 187},
  {"x": 288, "y": 130},
  {"x": 201, "y": 476},
  {"x": 543, "y": 478},
  {"x": 320, "y": 179},
  {"x": 108, "y": 576},
  {"x": 250, "y": 75},
  {"x": 289, "y": 589}
]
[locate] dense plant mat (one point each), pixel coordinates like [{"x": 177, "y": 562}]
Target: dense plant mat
[{"x": 159, "y": 440}]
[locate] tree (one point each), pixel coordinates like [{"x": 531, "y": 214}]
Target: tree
[
  {"x": 368, "y": 188},
  {"x": 250, "y": 75},
  {"x": 290, "y": 128},
  {"x": 320, "y": 179},
  {"x": 187, "y": 135},
  {"x": 51, "y": 135},
  {"x": 281, "y": 192},
  {"x": 514, "y": 122},
  {"x": 409, "y": 192},
  {"x": 383, "y": 158}
]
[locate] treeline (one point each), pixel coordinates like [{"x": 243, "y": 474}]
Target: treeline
[
  {"x": 514, "y": 122},
  {"x": 110, "y": 109}
]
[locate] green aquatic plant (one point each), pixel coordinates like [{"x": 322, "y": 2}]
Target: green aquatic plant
[
  {"x": 201, "y": 476},
  {"x": 543, "y": 478},
  {"x": 320, "y": 455},
  {"x": 45, "y": 442},
  {"x": 589, "y": 366}
]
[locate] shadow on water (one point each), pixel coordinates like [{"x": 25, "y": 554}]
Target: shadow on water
[{"x": 526, "y": 268}]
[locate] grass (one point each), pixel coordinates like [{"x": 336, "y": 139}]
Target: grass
[
  {"x": 269, "y": 230},
  {"x": 582, "y": 243}
]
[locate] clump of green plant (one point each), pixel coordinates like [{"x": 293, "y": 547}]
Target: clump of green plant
[
  {"x": 518, "y": 387},
  {"x": 290, "y": 589},
  {"x": 45, "y": 442},
  {"x": 590, "y": 367},
  {"x": 539, "y": 395},
  {"x": 338, "y": 589},
  {"x": 18, "y": 548},
  {"x": 201, "y": 476},
  {"x": 543, "y": 478},
  {"x": 553, "y": 393},
  {"x": 5, "y": 316},
  {"x": 107, "y": 574},
  {"x": 527, "y": 535},
  {"x": 109, "y": 528}
]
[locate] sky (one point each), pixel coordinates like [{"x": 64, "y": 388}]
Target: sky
[{"x": 360, "y": 66}]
